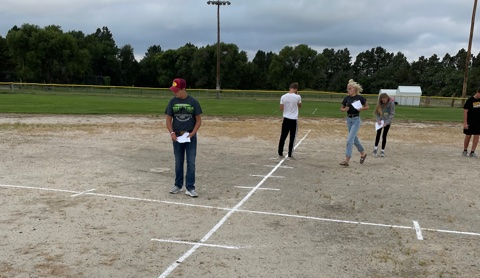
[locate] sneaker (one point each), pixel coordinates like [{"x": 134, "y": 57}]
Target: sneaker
[
  {"x": 473, "y": 155},
  {"x": 175, "y": 190},
  {"x": 465, "y": 153},
  {"x": 191, "y": 193},
  {"x": 291, "y": 158},
  {"x": 382, "y": 154},
  {"x": 281, "y": 157},
  {"x": 374, "y": 153}
]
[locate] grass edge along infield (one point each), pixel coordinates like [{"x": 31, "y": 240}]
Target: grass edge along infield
[{"x": 138, "y": 105}]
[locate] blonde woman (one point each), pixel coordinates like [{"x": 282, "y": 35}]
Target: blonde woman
[
  {"x": 384, "y": 113},
  {"x": 353, "y": 103}
]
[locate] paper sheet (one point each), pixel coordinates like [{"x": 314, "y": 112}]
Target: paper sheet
[
  {"x": 184, "y": 138},
  {"x": 379, "y": 126},
  {"x": 357, "y": 104}
]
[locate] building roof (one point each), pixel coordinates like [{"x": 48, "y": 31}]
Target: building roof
[
  {"x": 409, "y": 90},
  {"x": 388, "y": 91}
]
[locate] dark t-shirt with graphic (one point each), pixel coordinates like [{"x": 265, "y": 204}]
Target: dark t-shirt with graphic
[
  {"x": 473, "y": 115},
  {"x": 183, "y": 112}
]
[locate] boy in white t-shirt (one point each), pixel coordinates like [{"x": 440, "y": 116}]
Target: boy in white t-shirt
[{"x": 289, "y": 104}]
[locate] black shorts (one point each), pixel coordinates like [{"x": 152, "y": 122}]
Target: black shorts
[{"x": 472, "y": 130}]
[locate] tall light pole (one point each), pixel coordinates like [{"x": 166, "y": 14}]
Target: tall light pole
[
  {"x": 467, "y": 60},
  {"x": 218, "y": 3}
]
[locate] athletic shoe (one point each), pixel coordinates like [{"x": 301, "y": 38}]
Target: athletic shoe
[
  {"x": 281, "y": 157},
  {"x": 374, "y": 153},
  {"x": 191, "y": 193},
  {"x": 382, "y": 154},
  {"x": 291, "y": 158},
  {"x": 465, "y": 153},
  {"x": 175, "y": 190},
  {"x": 473, "y": 155}
]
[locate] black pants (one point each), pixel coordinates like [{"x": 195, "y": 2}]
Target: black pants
[
  {"x": 384, "y": 136},
  {"x": 288, "y": 126}
]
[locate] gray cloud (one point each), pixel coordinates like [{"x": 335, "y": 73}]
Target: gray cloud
[{"x": 414, "y": 27}]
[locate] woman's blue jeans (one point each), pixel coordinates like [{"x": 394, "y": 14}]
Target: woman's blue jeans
[
  {"x": 190, "y": 150},
  {"x": 353, "y": 125}
]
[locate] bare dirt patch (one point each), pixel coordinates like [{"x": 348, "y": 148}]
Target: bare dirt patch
[{"x": 83, "y": 196}]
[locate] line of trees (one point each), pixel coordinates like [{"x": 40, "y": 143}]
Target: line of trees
[{"x": 33, "y": 54}]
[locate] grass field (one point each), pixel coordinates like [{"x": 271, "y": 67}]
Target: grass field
[{"x": 148, "y": 105}]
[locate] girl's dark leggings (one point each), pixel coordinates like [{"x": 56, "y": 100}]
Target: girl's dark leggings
[{"x": 384, "y": 136}]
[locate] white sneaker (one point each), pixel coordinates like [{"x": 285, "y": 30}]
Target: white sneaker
[
  {"x": 191, "y": 193},
  {"x": 175, "y": 190},
  {"x": 382, "y": 154}
]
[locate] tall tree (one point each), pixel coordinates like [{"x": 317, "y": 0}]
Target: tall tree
[
  {"x": 79, "y": 68},
  {"x": 183, "y": 65},
  {"x": 204, "y": 67},
  {"x": 395, "y": 73},
  {"x": 128, "y": 66},
  {"x": 166, "y": 65},
  {"x": 297, "y": 64},
  {"x": 24, "y": 53},
  {"x": 338, "y": 70},
  {"x": 259, "y": 70},
  {"x": 432, "y": 79},
  {"x": 234, "y": 66},
  {"x": 7, "y": 66},
  {"x": 148, "y": 72},
  {"x": 369, "y": 63},
  {"x": 104, "y": 55}
]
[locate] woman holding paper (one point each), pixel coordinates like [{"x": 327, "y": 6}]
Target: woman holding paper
[
  {"x": 353, "y": 103},
  {"x": 384, "y": 112}
]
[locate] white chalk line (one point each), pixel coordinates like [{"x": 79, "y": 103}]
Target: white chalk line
[
  {"x": 245, "y": 211},
  {"x": 222, "y": 221},
  {"x": 418, "y": 230},
  {"x": 112, "y": 196},
  {"x": 81, "y": 193},
  {"x": 262, "y": 176},
  {"x": 272, "y": 166},
  {"x": 314, "y": 111},
  {"x": 202, "y": 244},
  {"x": 263, "y": 188}
]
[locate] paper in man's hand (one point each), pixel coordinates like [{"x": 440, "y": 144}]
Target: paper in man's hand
[{"x": 184, "y": 138}]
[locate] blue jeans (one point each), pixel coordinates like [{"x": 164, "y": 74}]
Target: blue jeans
[
  {"x": 353, "y": 125},
  {"x": 179, "y": 150}
]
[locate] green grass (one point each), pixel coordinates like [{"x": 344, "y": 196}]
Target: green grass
[{"x": 138, "y": 105}]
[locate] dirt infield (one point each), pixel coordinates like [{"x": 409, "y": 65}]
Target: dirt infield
[{"x": 87, "y": 196}]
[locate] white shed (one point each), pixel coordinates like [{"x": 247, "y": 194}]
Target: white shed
[
  {"x": 389, "y": 92},
  {"x": 408, "y": 95}
]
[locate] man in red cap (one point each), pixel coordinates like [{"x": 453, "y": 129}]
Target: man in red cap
[{"x": 183, "y": 121}]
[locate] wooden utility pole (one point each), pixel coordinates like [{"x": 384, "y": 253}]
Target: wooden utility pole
[{"x": 467, "y": 59}]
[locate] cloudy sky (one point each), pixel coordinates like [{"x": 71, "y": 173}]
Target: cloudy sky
[{"x": 414, "y": 27}]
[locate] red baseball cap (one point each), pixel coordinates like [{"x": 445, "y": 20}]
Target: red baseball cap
[{"x": 178, "y": 84}]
